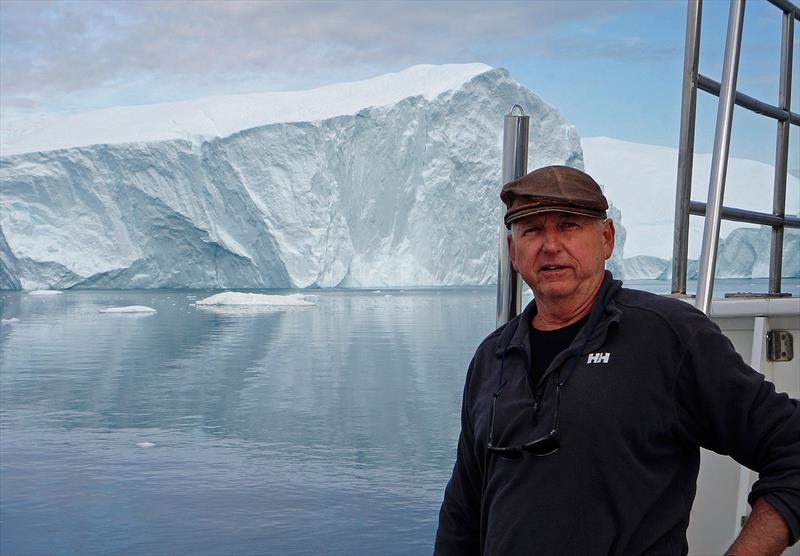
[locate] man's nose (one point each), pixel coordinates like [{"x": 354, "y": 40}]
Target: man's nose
[{"x": 552, "y": 240}]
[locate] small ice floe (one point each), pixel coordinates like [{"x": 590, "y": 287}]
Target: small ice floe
[
  {"x": 376, "y": 291},
  {"x": 45, "y": 292},
  {"x": 240, "y": 299},
  {"x": 12, "y": 320},
  {"x": 129, "y": 309},
  {"x": 387, "y": 295},
  {"x": 145, "y": 444},
  {"x": 313, "y": 298}
]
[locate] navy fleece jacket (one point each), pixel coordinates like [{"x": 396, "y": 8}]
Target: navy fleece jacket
[{"x": 656, "y": 380}]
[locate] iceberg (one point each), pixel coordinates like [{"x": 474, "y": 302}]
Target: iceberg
[
  {"x": 640, "y": 180},
  {"x": 256, "y": 299},
  {"x": 391, "y": 181},
  {"x": 128, "y": 309}
]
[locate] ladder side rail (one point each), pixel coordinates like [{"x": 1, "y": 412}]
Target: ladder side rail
[
  {"x": 745, "y": 101},
  {"x": 719, "y": 160},
  {"x": 750, "y": 217},
  {"x": 691, "y": 61},
  {"x": 781, "y": 154}
]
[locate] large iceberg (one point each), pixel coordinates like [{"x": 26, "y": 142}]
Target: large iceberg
[{"x": 391, "y": 181}]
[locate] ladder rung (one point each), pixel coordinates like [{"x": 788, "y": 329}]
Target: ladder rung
[
  {"x": 710, "y": 86},
  {"x": 740, "y": 215}
]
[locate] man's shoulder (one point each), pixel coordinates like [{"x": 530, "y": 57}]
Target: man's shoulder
[
  {"x": 493, "y": 344},
  {"x": 489, "y": 344},
  {"x": 673, "y": 311}
]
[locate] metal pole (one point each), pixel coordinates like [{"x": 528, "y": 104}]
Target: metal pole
[
  {"x": 781, "y": 155},
  {"x": 691, "y": 57},
  {"x": 515, "y": 165},
  {"x": 719, "y": 160}
]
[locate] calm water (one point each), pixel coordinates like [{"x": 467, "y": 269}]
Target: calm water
[{"x": 321, "y": 430}]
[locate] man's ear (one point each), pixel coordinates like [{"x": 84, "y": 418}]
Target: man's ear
[
  {"x": 511, "y": 252},
  {"x": 608, "y": 238}
]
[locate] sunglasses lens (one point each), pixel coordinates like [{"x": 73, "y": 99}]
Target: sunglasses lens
[
  {"x": 507, "y": 453},
  {"x": 543, "y": 447},
  {"x": 512, "y": 455}
]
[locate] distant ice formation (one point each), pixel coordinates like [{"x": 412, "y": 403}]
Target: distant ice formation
[
  {"x": 392, "y": 181},
  {"x": 256, "y": 299},
  {"x": 129, "y": 309},
  {"x": 640, "y": 181},
  {"x": 45, "y": 293}
]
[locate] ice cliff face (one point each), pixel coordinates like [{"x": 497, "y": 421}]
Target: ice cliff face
[{"x": 399, "y": 194}]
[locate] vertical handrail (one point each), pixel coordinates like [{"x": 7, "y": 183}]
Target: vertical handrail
[
  {"x": 719, "y": 160},
  {"x": 691, "y": 58},
  {"x": 515, "y": 165},
  {"x": 781, "y": 154}
]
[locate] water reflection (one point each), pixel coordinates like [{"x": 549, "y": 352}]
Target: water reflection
[{"x": 327, "y": 429}]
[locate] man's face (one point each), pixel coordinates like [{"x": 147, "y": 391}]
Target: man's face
[{"x": 561, "y": 256}]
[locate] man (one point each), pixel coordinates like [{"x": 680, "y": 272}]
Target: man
[{"x": 582, "y": 417}]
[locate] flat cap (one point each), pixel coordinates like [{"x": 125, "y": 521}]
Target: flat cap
[{"x": 553, "y": 188}]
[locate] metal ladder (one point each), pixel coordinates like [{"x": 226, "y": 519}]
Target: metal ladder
[{"x": 713, "y": 209}]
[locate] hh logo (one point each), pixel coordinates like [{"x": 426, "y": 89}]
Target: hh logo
[{"x": 598, "y": 358}]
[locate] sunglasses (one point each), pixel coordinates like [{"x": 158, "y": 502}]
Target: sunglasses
[{"x": 542, "y": 446}]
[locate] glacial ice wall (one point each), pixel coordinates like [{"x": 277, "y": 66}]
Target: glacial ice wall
[{"x": 404, "y": 194}]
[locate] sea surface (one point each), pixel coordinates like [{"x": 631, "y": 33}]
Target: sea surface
[{"x": 328, "y": 429}]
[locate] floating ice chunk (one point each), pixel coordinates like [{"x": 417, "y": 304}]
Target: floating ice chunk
[
  {"x": 45, "y": 292},
  {"x": 254, "y": 299},
  {"x": 129, "y": 309},
  {"x": 313, "y": 298},
  {"x": 9, "y": 321},
  {"x": 145, "y": 444}
]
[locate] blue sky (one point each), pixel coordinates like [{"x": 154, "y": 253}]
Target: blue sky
[{"x": 612, "y": 67}]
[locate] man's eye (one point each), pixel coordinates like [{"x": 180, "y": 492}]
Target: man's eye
[{"x": 569, "y": 225}]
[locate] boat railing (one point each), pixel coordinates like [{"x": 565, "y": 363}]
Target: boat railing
[{"x": 515, "y": 165}]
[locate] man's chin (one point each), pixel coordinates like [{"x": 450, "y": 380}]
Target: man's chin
[{"x": 552, "y": 290}]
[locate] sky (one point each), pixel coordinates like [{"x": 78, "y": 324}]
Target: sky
[{"x": 613, "y": 68}]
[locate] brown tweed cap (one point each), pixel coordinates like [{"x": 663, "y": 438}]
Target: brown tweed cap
[{"x": 553, "y": 188}]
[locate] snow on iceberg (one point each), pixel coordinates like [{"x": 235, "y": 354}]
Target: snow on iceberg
[
  {"x": 219, "y": 116},
  {"x": 392, "y": 181},
  {"x": 45, "y": 293},
  {"x": 255, "y": 300},
  {"x": 129, "y": 309}
]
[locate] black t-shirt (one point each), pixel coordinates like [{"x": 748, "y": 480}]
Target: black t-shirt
[{"x": 545, "y": 345}]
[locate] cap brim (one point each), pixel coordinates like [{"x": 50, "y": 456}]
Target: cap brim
[{"x": 524, "y": 212}]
